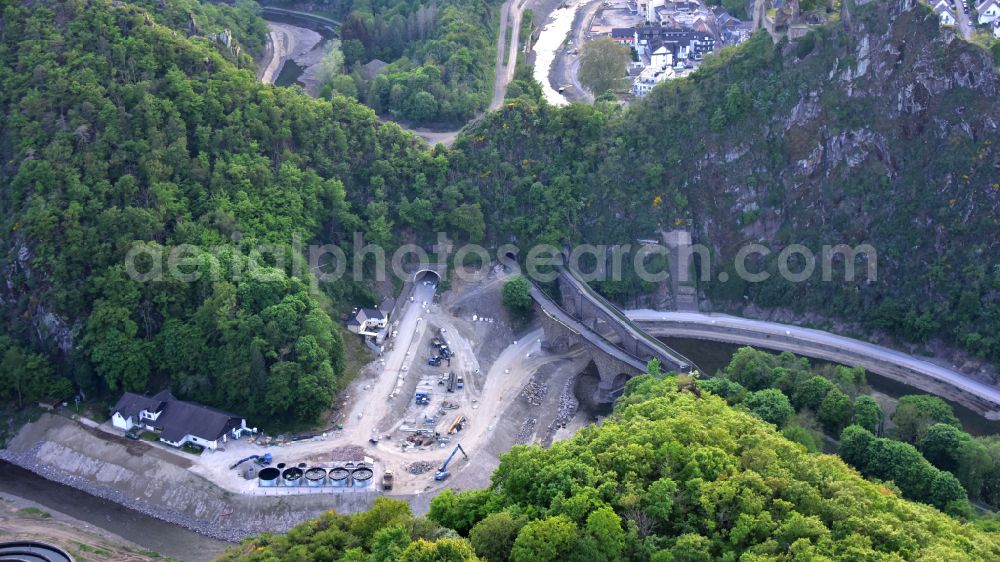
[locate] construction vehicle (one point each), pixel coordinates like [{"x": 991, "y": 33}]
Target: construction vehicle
[
  {"x": 387, "y": 480},
  {"x": 434, "y": 361},
  {"x": 442, "y": 473},
  {"x": 261, "y": 460},
  {"x": 423, "y": 395},
  {"x": 457, "y": 425}
]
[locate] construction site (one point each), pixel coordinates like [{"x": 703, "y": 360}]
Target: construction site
[
  {"x": 454, "y": 384},
  {"x": 457, "y": 384},
  {"x": 454, "y": 388}
]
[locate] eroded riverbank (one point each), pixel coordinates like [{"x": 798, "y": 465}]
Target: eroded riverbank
[
  {"x": 157, "y": 483},
  {"x": 100, "y": 518}
]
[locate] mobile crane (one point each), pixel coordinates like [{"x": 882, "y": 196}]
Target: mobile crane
[{"x": 442, "y": 473}]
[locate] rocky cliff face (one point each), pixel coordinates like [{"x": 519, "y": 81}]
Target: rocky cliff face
[
  {"x": 879, "y": 128},
  {"x": 887, "y": 137}
]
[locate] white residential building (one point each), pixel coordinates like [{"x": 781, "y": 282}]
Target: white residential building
[
  {"x": 177, "y": 422},
  {"x": 647, "y": 9},
  {"x": 661, "y": 58},
  {"x": 996, "y": 28},
  {"x": 649, "y": 78},
  {"x": 989, "y": 11},
  {"x": 945, "y": 11},
  {"x": 368, "y": 322}
]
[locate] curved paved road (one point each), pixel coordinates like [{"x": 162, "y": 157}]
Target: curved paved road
[{"x": 908, "y": 369}]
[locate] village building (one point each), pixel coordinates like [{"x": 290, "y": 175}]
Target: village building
[
  {"x": 368, "y": 322},
  {"x": 177, "y": 422},
  {"x": 988, "y": 10}
]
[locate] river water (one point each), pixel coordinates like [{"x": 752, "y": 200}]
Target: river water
[
  {"x": 147, "y": 532},
  {"x": 549, "y": 42}
]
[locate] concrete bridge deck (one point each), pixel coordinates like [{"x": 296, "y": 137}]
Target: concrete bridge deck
[
  {"x": 555, "y": 313},
  {"x": 586, "y": 305},
  {"x": 621, "y": 352}
]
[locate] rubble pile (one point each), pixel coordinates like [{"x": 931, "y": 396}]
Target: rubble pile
[
  {"x": 347, "y": 453},
  {"x": 568, "y": 405},
  {"x": 527, "y": 430},
  {"x": 419, "y": 467},
  {"x": 534, "y": 392}
]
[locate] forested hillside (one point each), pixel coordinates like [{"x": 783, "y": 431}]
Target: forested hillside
[
  {"x": 426, "y": 62},
  {"x": 672, "y": 475},
  {"x": 441, "y": 56},
  {"x": 881, "y": 129},
  {"x": 211, "y": 20},
  {"x": 921, "y": 446},
  {"x": 118, "y": 130}
]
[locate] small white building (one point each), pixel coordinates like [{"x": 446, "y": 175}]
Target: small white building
[
  {"x": 647, "y": 9},
  {"x": 661, "y": 58},
  {"x": 996, "y": 28},
  {"x": 177, "y": 422},
  {"x": 368, "y": 322},
  {"x": 989, "y": 11},
  {"x": 649, "y": 78},
  {"x": 945, "y": 11}
]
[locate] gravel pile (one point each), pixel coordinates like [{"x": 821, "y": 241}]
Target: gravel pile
[
  {"x": 568, "y": 404},
  {"x": 527, "y": 430},
  {"x": 29, "y": 461},
  {"x": 419, "y": 467},
  {"x": 534, "y": 392},
  {"x": 347, "y": 453}
]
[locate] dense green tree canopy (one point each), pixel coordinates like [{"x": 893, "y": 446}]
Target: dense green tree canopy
[
  {"x": 915, "y": 414},
  {"x": 868, "y": 414},
  {"x": 124, "y": 139},
  {"x": 388, "y": 532},
  {"x": 517, "y": 295},
  {"x": 602, "y": 65},
  {"x": 671, "y": 475},
  {"x": 823, "y": 402},
  {"x": 441, "y": 57},
  {"x": 770, "y": 405}
]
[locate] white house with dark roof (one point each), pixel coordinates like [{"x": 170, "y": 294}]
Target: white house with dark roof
[
  {"x": 177, "y": 422},
  {"x": 661, "y": 58},
  {"x": 989, "y": 11},
  {"x": 368, "y": 322},
  {"x": 945, "y": 11}
]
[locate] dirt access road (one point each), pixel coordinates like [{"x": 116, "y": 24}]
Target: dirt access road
[
  {"x": 510, "y": 16},
  {"x": 496, "y": 367}
]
